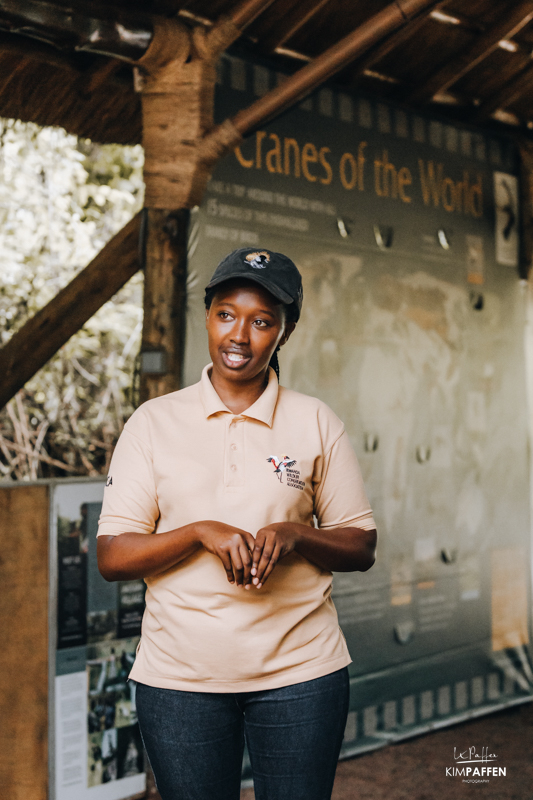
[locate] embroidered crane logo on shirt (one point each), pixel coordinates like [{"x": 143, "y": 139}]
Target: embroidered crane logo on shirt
[
  {"x": 258, "y": 260},
  {"x": 281, "y": 464},
  {"x": 285, "y": 465}
]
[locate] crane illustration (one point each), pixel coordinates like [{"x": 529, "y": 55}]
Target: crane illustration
[{"x": 281, "y": 464}]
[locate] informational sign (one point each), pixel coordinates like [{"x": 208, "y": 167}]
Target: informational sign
[
  {"x": 507, "y": 219},
  {"x": 97, "y": 752},
  {"x": 404, "y": 228}
]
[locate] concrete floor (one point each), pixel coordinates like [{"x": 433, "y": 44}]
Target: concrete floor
[{"x": 416, "y": 769}]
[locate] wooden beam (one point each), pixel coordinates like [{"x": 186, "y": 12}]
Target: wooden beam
[
  {"x": 510, "y": 91},
  {"x": 244, "y": 13},
  {"x": 298, "y": 16},
  {"x": 296, "y": 87},
  {"x": 380, "y": 51},
  {"x": 36, "y": 342},
  {"x": 29, "y": 50},
  {"x": 8, "y": 78},
  {"x": 24, "y": 515},
  {"x": 507, "y": 26},
  {"x": 99, "y": 73},
  {"x": 165, "y": 296},
  {"x": 12, "y": 44}
]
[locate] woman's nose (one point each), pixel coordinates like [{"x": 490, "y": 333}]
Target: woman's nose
[{"x": 240, "y": 333}]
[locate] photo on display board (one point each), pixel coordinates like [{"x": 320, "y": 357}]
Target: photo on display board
[
  {"x": 114, "y": 743},
  {"x": 102, "y": 758},
  {"x": 101, "y": 625}
]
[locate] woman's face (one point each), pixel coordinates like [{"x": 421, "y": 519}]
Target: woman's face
[{"x": 245, "y": 324}]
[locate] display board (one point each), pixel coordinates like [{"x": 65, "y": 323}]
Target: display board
[
  {"x": 96, "y": 751},
  {"x": 405, "y": 229}
]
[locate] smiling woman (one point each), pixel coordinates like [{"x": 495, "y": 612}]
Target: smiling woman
[
  {"x": 229, "y": 473},
  {"x": 246, "y": 327}
]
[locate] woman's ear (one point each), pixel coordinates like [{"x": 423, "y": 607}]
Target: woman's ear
[
  {"x": 289, "y": 327},
  {"x": 206, "y": 316}
]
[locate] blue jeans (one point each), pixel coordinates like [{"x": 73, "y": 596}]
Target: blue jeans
[{"x": 195, "y": 740}]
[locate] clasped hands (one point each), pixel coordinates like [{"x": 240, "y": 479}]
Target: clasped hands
[{"x": 248, "y": 562}]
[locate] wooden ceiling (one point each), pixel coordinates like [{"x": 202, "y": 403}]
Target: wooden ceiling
[{"x": 471, "y": 62}]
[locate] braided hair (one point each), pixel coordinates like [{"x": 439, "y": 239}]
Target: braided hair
[{"x": 291, "y": 315}]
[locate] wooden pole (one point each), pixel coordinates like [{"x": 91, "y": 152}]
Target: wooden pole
[
  {"x": 164, "y": 302},
  {"x": 24, "y": 653},
  {"x": 42, "y": 336},
  {"x": 177, "y": 82}
]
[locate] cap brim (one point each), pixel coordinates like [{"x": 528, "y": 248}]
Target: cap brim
[{"x": 273, "y": 289}]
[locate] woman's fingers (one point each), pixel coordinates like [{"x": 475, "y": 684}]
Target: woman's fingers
[
  {"x": 246, "y": 559},
  {"x": 236, "y": 560},
  {"x": 228, "y": 566},
  {"x": 271, "y": 543},
  {"x": 233, "y": 546},
  {"x": 250, "y": 546},
  {"x": 241, "y": 560},
  {"x": 249, "y": 561},
  {"x": 267, "y": 550},
  {"x": 250, "y": 541},
  {"x": 257, "y": 552},
  {"x": 274, "y": 558}
]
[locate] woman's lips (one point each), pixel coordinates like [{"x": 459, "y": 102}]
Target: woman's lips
[{"x": 235, "y": 360}]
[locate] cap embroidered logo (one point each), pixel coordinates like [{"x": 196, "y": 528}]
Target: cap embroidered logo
[
  {"x": 258, "y": 260},
  {"x": 273, "y": 271}
]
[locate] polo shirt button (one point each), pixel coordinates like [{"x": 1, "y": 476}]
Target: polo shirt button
[
  {"x": 233, "y": 446},
  {"x": 233, "y": 467}
]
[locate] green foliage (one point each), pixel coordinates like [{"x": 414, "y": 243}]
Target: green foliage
[{"x": 61, "y": 200}]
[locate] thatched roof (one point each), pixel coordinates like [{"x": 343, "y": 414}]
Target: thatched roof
[{"x": 470, "y": 61}]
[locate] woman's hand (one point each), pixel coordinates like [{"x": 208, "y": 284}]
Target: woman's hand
[
  {"x": 271, "y": 543},
  {"x": 338, "y": 550},
  {"x": 138, "y": 555},
  {"x": 232, "y": 545}
]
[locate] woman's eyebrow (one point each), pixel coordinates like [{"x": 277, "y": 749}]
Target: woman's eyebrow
[{"x": 259, "y": 311}]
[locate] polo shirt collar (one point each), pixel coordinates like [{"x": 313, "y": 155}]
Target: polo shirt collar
[{"x": 262, "y": 410}]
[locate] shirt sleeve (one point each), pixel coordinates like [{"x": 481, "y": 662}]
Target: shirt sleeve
[
  {"x": 340, "y": 496},
  {"x": 130, "y": 497}
]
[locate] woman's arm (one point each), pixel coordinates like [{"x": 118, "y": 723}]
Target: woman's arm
[
  {"x": 140, "y": 555},
  {"x": 338, "y": 550}
]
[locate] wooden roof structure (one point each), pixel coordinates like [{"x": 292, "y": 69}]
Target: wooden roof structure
[
  {"x": 470, "y": 62},
  {"x": 130, "y": 71}
]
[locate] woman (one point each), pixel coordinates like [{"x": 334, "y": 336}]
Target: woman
[{"x": 240, "y": 637}]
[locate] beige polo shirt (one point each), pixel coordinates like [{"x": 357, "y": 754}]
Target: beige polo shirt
[{"x": 185, "y": 457}]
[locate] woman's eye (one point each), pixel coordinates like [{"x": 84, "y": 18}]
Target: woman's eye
[
  {"x": 223, "y": 314},
  {"x": 260, "y": 323}
]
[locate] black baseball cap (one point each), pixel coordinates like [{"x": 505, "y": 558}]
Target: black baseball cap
[{"x": 274, "y": 271}]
